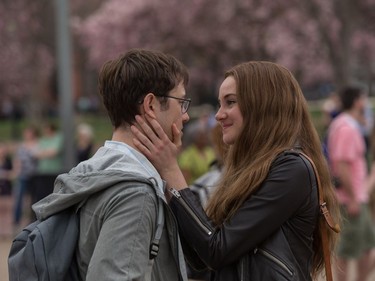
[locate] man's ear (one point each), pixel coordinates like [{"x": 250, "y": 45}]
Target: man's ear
[{"x": 149, "y": 105}]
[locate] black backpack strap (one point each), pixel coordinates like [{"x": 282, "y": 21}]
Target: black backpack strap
[{"x": 154, "y": 247}]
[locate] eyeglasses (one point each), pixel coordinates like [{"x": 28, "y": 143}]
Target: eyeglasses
[{"x": 185, "y": 103}]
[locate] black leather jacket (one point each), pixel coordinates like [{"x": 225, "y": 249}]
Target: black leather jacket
[{"x": 270, "y": 236}]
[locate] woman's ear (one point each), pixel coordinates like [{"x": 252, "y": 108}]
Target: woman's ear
[{"x": 149, "y": 105}]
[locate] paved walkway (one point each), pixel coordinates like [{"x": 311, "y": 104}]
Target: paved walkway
[
  {"x": 4, "y": 250},
  {"x": 7, "y": 231}
]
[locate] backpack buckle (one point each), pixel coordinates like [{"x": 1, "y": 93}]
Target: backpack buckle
[{"x": 154, "y": 249}]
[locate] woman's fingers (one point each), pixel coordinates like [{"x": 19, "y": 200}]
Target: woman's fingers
[
  {"x": 157, "y": 129},
  {"x": 177, "y": 136},
  {"x": 156, "y": 133},
  {"x": 141, "y": 141},
  {"x": 149, "y": 132},
  {"x": 151, "y": 135},
  {"x": 151, "y": 140}
]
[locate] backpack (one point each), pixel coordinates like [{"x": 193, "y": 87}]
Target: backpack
[{"x": 44, "y": 250}]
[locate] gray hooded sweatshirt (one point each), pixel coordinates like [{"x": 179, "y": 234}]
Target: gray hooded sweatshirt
[{"x": 118, "y": 217}]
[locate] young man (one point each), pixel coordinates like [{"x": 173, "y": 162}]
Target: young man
[
  {"x": 119, "y": 219},
  {"x": 347, "y": 154}
]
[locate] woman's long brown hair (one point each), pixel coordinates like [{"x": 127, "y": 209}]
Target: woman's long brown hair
[{"x": 275, "y": 118}]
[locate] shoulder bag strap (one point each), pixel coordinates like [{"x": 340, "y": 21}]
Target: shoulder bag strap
[{"x": 323, "y": 223}]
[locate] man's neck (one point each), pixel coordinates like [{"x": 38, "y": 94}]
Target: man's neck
[{"x": 125, "y": 136}]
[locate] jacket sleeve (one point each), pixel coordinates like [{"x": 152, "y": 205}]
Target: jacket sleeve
[
  {"x": 192, "y": 257},
  {"x": 285, "y": 189},
  {"x": 126, "y": 224}
]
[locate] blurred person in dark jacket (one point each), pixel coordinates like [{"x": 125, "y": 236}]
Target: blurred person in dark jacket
[
  {"x": 6, "y": 188},
  {"x": 25, "y": 164},
  {"x": 85, "y": 143}
]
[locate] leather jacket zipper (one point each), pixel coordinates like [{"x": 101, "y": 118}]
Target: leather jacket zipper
[
  {"x": 275, "y": 260},
  {"x": 186, "y": 206},
  {"x": 242, "y": 277}
]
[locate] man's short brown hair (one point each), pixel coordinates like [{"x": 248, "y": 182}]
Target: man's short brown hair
[{"x": 123, "y": 82}]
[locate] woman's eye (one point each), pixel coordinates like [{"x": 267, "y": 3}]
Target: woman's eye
[{"x": 231, "y": 102}]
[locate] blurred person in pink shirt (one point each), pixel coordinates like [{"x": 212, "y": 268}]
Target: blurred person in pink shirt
[{"x": 347, "y": 155}]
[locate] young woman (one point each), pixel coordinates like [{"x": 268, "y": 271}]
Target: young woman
[{"x": 262, "y": 221}]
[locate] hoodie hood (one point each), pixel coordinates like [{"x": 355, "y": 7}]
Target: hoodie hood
[{"x": 105, "y": 169}]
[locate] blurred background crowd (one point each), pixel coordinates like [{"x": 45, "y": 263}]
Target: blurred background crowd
[
  {"x": 28, "y": 169},
  {"x": 327, "y": 45}
]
